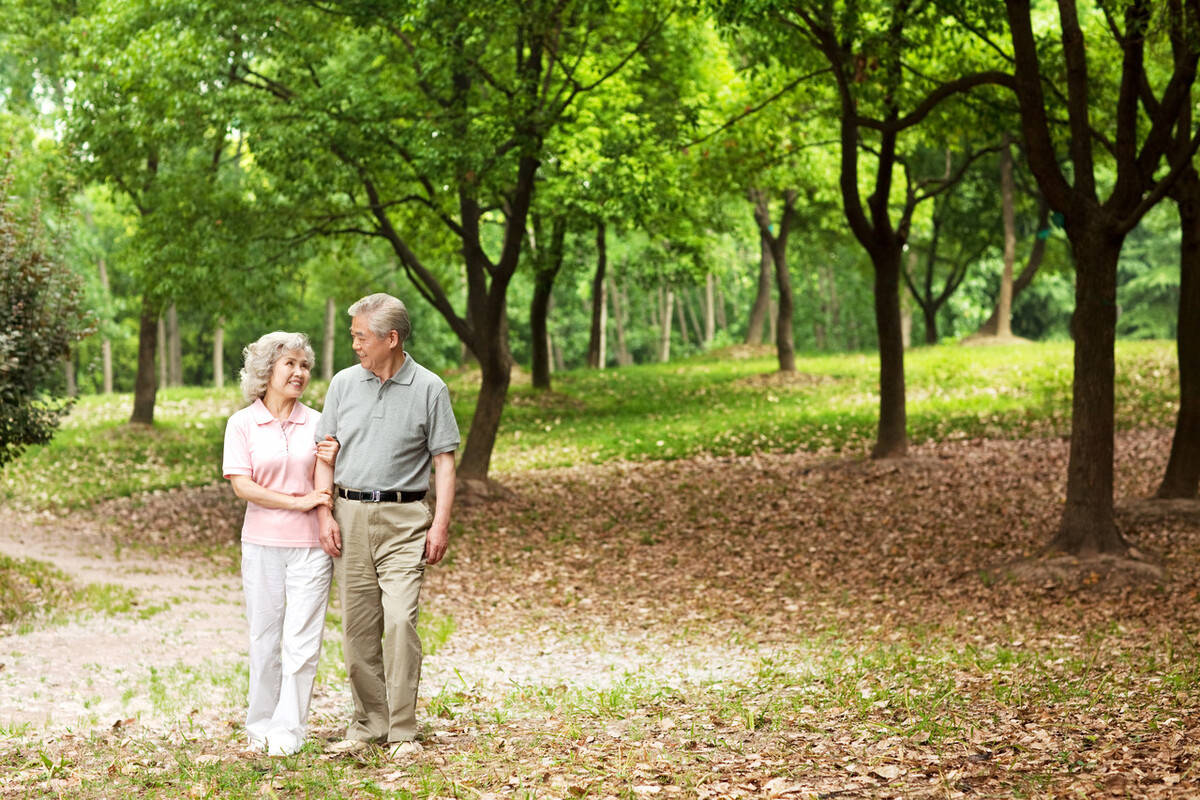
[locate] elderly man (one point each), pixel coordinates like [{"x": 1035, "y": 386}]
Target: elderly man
[{"x": 393, "y": 420}]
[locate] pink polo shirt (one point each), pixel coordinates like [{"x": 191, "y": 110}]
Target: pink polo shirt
[{"x": 277, "y": 456}]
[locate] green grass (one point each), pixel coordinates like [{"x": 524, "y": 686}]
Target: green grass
[
  {"x": 719, "y": 405},
  {"x": 32, "y": 589},
  {"x": 713, "y": 404}
]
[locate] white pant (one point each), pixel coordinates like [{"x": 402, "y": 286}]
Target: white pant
[{"x": 287, "y": 589}]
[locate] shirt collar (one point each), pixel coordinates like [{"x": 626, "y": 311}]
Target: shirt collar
[
  {"x": 404, "y": 376},
  {"x": 263, "y": 416}
]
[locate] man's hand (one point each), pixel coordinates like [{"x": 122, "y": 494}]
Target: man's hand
[
  {"x": 327, "y": 450},
  {"x": 331, "y": 535},
  {"x": 437, "y": 541}
]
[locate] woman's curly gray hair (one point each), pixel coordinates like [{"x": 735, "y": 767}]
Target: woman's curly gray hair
[{"x": 259, "y": 359}]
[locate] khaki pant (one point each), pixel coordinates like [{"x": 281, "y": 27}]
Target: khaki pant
[{"x": 379, "y": 574}]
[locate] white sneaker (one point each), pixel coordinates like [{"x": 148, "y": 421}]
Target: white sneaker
[
  {"x": 278, "y": 748},
  {"x": 256, "y": 745},
  {"x": 407, "y": 749}
]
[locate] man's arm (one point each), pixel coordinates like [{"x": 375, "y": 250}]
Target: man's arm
[
  {"x": 438, "y": 538},
  {"x": 331, "y": 534}
]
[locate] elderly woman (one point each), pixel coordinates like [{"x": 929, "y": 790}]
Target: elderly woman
[{"x": 269, "y": 458}]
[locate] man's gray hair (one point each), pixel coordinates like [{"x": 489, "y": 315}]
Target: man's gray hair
[
  {"x": 260, "y": 357},
  {"x": 386, "y": 314}
]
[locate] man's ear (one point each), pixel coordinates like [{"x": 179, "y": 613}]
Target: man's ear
[{"x": 394, "y": 339}]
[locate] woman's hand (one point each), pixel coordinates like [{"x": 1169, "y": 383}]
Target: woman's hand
[
  {"x": 328, "y": 449},
  {"x": 315, "y": 498}
]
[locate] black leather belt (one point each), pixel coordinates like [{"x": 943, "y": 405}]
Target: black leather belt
[{"x": 381, "y": 497}]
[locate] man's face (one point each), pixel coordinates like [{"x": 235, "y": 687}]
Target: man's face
[{"x": 374, "y": 352}]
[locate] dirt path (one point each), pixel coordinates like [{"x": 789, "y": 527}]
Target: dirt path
[
  {"x": 154, "y": 664},
  {"x": 177, "y": 657}
]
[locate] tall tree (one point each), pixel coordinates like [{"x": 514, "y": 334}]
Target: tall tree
[
  {"x": 1137, "y": 144},
  {"x": 139, "y": 124},
  {"x": 1182, "y": 475},
  {"x": 420, "y": 123},
  {"x": 866, "y": 49}
]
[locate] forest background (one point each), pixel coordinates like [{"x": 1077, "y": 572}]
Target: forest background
[{"x": 562, "y": 191}]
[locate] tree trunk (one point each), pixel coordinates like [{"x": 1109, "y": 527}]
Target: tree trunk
[
  {"x": 539, "y": 307},
  {"x": 1088, "y": 524},
  {"x": 496, "y": 368},
  {"x": 145, "y": 389},
  {"x": 69, "y": 375},
  {"x": 929, "y": 310},
  {"x": 784, "y": 344},
  {"x": 219, "y": 354},
  {"x": 547, "y": 259},
  {"x": 710, "y": 311},
  {"x": 759, "y": 312},
  {"x": 776, "y": 245},
  {"x": 666, "y": 298},
  {"x": 328, "y": 342},
  {"x": 722, "y": 321},
  {"x": 1007, "y": 192},
  {"x": 1034, "y": 262},
  {"x": 892, "y": 438},
  {"x": 174, "y": 347},
  {"x": 693, "y": 316},
  {"x": 1182, "y": 476},
  {"x": 681, "y": 301},
  {"x": 106, "y": 359},
  {"x": 161, "y": 338},
  {"x": 619, "y": 317},
  {"x": 599, "y": 308}
]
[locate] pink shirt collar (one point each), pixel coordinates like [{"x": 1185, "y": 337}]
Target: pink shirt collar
[{"x": 263, "y": 416}]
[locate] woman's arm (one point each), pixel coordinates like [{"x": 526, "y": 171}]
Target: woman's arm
[{"x": 245, "y": 488}]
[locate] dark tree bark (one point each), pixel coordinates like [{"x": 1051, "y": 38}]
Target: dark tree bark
[
  {"x": 1182, "y": 476},
  {"x": 145, "y": 387},
  {"x": 596, "y": 339},
  {"x": 1097, "y": 228},
  {"x": 871, "y": 222},
  {"x": 777, "y": 247},
  {"x": 930, "y": 301},
  {"x": 547, "y": 259}
]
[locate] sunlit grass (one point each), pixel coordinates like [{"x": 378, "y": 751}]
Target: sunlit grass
[{"x": 714, "y": 404}]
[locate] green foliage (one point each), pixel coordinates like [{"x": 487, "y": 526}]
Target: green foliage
[{"x": 40, "y": 316}]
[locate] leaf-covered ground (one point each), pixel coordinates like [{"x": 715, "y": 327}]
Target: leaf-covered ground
[{"x": 775, "y": 626}]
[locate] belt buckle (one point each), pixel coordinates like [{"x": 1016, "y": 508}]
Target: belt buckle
[{"x": 374, "y": 496}]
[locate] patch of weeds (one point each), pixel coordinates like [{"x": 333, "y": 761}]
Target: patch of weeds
[
  {"x": 106, "y": 598},
  {"x": 434, "y": 630},
  {"x": 31, "y": 588}
]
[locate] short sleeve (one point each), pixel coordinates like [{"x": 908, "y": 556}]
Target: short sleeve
[
  {"x": 327, "y": 424},
  {"x": 236, "y": 459},
  {"x": 443, "y": 429}
]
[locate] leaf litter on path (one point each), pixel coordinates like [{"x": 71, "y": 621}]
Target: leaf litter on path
[{"x": 791, "y": 626}]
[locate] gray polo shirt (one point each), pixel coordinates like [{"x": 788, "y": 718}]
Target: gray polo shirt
[{"x": 389, "y": 431}]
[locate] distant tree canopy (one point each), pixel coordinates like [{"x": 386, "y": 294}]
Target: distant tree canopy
[{"x": 40, "y": 316}]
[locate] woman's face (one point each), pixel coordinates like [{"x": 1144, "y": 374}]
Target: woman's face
[{"x": 289, "y": 376}]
